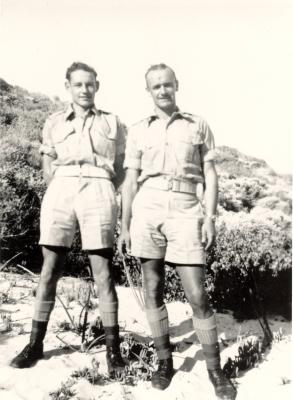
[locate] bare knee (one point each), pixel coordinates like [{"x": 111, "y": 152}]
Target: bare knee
[
  {"x": 154, "y": 292},
  {"x": 104, "y": 280},
  {"x": 198, "y": 300},
  {"x": 52, "y": 265}
]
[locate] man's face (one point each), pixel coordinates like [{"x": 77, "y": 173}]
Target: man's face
[
  {"x": 162, "y": 86},
  {"x": 82, "y": 86}
]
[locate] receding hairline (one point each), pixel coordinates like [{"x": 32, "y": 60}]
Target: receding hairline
[{"x": 159, "y": 67}]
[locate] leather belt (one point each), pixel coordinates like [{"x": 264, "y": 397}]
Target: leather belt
[
  {"x": 84, "y": 170},
  {"x": 165, "y": 182}
]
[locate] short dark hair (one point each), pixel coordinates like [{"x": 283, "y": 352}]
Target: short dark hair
[
  {"x": 79, "y": 66},
  {"x": 158, "y": 67}
]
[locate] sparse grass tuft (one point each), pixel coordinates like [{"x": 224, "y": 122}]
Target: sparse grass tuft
[
  {"x": 65, "y": 392},
  {"x": 5, "y": 323}
]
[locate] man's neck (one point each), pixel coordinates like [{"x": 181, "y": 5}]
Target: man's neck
[
  {"x": 166, "y": 113},
  {"x": 80, "y": 111}
]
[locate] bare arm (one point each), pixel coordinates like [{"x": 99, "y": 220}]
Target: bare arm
[
  {"x": 47, "y": 169},
  {"x": 119, "y": 171},
  {"x": 129, "y": 190},
  {"x": 211, "y": 202}
]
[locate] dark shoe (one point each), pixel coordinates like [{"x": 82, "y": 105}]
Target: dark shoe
[
  {"x": 114, "y": 361},
  {"x": 161, "y": 379},
  {"x": 28, "y": 357},
  {"x": 223, "y": 386}
]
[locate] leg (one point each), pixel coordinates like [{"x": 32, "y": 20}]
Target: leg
[
  {"x": 193, "y": 277},
  {"x": 100, "y": 261},
  {"x": 154, "y": 281},
  {"x": 51, "y": 271}
]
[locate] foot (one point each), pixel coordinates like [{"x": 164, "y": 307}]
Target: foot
[
  {"x": 161, "y": 379},
  {"x": 223, "y": 386},
  {"x": 115, "y": 362},
  {"x": 28, "y": 357}
]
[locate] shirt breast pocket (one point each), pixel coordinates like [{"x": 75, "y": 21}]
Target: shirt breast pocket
[
  {"x": 150, "y": 152},
  {"x": 103, "y": 141},
  {"x": 61, "y": 137},
  {"x": 184, "y": 146}
]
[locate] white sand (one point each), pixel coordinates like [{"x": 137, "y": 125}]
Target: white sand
[{"x": 270, "y": 380}]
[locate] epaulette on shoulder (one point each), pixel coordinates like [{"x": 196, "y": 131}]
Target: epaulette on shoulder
[
  {"x": 57, "y": 113},
  {"x": 144, "y": 122},
  {"x": 192, "y": 116},
  {"x": 105, "y": 112}
]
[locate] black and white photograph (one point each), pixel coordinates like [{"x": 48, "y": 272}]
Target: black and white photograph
[{"x": 146, "y": 199}]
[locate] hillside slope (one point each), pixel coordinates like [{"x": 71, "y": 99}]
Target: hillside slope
[{"x": 254, "y": 224}]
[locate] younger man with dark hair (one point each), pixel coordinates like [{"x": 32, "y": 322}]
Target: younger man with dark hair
[{"x": 82, "y": 150}]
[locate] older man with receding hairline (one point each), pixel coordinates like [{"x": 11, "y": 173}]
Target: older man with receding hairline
[{"x": 169, "y": 159}]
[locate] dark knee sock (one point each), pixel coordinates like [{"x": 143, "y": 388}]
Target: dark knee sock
[
  {"x": 112, "y": 336},
  {"x": 109, "y": 316},
  {"x": 38, "y": 332},
  {"x": 159, "y": 325},
  {"x": 206, "y": 330},
  {"x": 40, "y": 320}
]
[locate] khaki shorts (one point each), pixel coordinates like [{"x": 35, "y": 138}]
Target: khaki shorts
[
  {"x": 89, "y": 201},
  {"x": 167, "y": 224}
]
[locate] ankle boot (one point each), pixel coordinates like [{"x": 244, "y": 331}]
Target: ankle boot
[
  {"x": 115, "y": 362},
  {"x": 34, "y": 350},
  {"x": 28, "y": 356},
  {"x": 223, "y": 386},
  {"x": 161, "y": 379}
]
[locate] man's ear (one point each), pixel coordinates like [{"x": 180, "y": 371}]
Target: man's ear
[
  {"x": 97, "y": 85},
  {"x": 177, "y": 85},
  {"x": 67, "y": 84}
]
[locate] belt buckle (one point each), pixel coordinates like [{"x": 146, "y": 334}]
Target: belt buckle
[{"x": 170, "y": 184}]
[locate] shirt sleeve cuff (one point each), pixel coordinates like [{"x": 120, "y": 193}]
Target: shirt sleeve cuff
[
  {"x": 132, "y": 163},
  {"x": 210, "y": 155},
  {"x": 48, "y": 150}
]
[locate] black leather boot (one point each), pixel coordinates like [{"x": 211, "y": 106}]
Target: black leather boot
[
  {"x": 34, "y": 350},
  {"x": 161, "y": 379},
  {"x": 29, "y": 356},
  {"x": 115, "y": 362},
  {"x": 223, "y": 386}
]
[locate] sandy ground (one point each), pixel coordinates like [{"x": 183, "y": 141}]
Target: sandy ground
[{"x": 271, "y": 379}]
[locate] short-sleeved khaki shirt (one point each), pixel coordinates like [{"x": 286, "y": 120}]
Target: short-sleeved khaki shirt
[
  {"x": 177, "y": 147},
  {"x": 96, "y": 139}
]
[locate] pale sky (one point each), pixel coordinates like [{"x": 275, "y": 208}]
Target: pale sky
[{"x": 233, "y": 60}]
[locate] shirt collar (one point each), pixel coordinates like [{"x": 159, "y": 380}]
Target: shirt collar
[
  {"x": 177, "y": 113},
  {"x": 70, "y": 112}
]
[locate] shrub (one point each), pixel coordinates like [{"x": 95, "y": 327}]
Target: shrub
[
  {"x": 250, "y": 267},
  {"x": 20, "y": 193},
  {"x": 261, "y": 248},
  {"x": 240, "y": 194}
]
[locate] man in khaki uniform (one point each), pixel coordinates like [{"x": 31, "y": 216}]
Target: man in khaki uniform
[
  {"x": 82, "y": 150},
  {"x": 169, "y": 159}
]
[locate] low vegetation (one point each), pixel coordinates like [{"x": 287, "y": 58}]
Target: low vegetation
[{"x": 252, "y": 256}]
